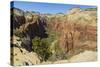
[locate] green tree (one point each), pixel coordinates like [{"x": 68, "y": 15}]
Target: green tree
[{"x": 41, "y": 47}]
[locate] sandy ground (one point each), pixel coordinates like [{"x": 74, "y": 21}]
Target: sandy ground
[{"x": 86, "y": 56}]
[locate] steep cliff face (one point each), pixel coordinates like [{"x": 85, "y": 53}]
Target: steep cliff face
[
  {"x": 67, "y": 34},
  {"x": 27, "y": 25},
  {"x": 27, "y": 21},
  {"x": 76, "y": 28},
  {"x": 18, "y": 18}
]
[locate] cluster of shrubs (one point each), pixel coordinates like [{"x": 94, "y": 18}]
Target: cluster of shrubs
[
  {"x": 41, "y": 47},
  {"x": 44, "y": 50}
]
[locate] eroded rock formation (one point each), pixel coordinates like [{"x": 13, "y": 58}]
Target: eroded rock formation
[{"x": 73, "y": 33}]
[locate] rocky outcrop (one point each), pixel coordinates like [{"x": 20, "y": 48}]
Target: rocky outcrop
[
  {"x": 74, "y": 10},
  {"x": 27, "y": 25},
  {"x": 28, "y": 16},
  {"x": 25, "y": 21},
  {"x": 17, "y": 18},
  {"x": 19, "y": 54},
  {"x": 23, "y": 57}
]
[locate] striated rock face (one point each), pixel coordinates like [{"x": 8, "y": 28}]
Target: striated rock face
[
  {"x": 27, "y": 25},
  {"x": 79, "y": 26},
  {"x": 72, "y": 33},
  {"x": 34, "y": 25}
]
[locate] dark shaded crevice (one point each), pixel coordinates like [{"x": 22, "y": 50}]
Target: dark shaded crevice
[
  {"x": 33, "y": 30},
  {"x": 37, "y": 29}
]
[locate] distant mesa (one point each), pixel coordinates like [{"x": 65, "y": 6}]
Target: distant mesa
[{"x": 74, "y": 10}]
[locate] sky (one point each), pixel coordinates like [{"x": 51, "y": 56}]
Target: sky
[{"x": 51, "y": 8}]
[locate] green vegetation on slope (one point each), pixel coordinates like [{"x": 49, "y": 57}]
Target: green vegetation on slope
[{"x": 41, "y": 47}]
